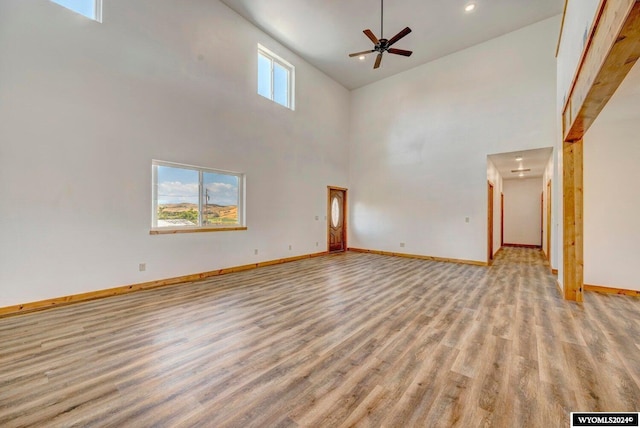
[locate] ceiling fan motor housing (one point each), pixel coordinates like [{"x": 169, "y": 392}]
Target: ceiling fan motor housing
[{"x": 383, "y": 45}]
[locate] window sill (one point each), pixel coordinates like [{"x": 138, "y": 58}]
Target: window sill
[{"x": 169, "y": 231}]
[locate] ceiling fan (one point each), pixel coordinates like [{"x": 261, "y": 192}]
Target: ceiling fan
[{"x": 383, "y": 45}]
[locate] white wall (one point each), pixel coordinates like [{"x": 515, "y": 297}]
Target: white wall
[
  {"x": 85, "y": 107},
  {"x": 522, "y": 209},
  {"x": 611, "y": 195},
  {"x": 419, "y": 142}
]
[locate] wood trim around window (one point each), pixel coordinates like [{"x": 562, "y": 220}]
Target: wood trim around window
[{"x": 170, "y": 231}]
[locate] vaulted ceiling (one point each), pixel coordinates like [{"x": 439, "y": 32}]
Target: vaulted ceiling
[{"x": 324, "y": 32}]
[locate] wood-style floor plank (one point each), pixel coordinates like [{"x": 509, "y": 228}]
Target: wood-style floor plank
[{"x": 344, "y": 340}]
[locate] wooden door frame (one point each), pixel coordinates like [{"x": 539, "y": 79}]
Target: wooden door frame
[
  {"x": 344, "y": 217},
  {"x": 549, "y": 221},
  {"x": 490, "y": 203},
  {"x": 541, "y": 219},
  {"x": 611, "y": 50},
  {"x": 501, "y": 219}
]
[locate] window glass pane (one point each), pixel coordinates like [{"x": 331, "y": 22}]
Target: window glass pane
[
  {"x": 335, "y": 212},
  {"x": 177, "y": 196},
  {"x": 220, "y": 199},
  {"x": 264, "y": 76},
  {"x": 84, "y": 7},
  {"x": 280, "y": 84}
]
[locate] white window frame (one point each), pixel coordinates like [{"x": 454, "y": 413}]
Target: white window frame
[
  {"x": 97, "y": 6},
  {"x": 292, "y": 76},
  {"x": 240, "y": 225}
]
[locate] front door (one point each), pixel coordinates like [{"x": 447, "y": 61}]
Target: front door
[{"x": 337, "y": 231}]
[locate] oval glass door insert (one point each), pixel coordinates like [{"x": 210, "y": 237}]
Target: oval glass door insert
[{"x": 335, "y": 212}]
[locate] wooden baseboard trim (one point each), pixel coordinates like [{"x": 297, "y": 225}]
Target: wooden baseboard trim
[
  {"x": 554, "y": 271},
  {"x": 523, "y": 246},
  {"x": 611, "y": 290},
  {"x": 100, "y": 294},
  {"x": 418, "y": 256}
]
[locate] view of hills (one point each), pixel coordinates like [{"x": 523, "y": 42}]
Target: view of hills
[{"x": 213, "y": 214}]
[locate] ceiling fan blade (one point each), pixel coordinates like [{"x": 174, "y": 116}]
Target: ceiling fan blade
[
  {"x": 399, "y": 52},
  {"x": 361, "y": 53},
  {"x": 378, "y": 61},
  {"x": 371, "y": 36},
  {"x": 398, "y": 36}
]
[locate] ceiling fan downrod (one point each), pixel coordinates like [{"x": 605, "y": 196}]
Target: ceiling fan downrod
[{"x": 381, "y": 19}]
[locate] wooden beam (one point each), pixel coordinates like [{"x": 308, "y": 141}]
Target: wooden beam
[
  {"x": 573, "y": 225},
  {"x": 612, "y": 49}
]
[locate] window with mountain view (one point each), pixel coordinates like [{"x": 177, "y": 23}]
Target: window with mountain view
[
  {"x": 192, "y": 197},
  {"x": 92, "y": 9}
]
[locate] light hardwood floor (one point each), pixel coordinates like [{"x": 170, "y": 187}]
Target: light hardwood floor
[{"x": 342, "y": 340}]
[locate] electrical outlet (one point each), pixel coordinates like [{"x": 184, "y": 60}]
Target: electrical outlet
[
  {"x": 466, "y": 219},
  {"x": 402, "y": 245},
  {"x": 316, "y": 243},
  {"x": 255, "y": 252},
  {"x": 142, "y": 267},
  {"x": 317, "y": 218},
  {"x": 289, "y": 246}
]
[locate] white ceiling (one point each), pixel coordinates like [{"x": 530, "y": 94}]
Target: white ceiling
[
  {"x": 536, "y": 160},
  {"x": 324, "y": 32}
]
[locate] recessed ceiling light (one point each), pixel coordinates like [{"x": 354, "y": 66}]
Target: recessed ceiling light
[
  {"x": 521, "y": 174},
  {"x": 470, "y": 7},
  {"x": 361, "y": 57},
  {"x": 519, "y": 159}
]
